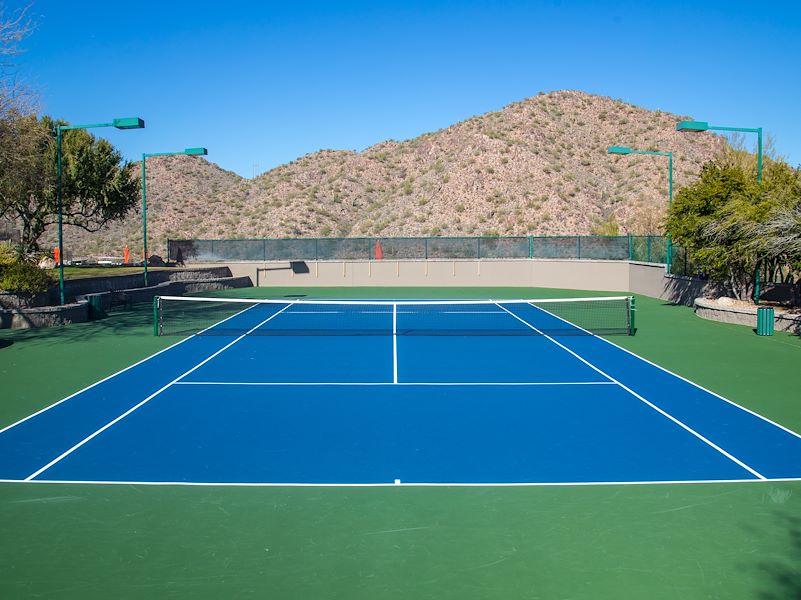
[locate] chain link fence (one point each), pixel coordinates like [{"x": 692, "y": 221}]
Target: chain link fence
[{"x": 639, "y": 248}]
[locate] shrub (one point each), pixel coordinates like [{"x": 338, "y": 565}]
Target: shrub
[
  {"x": 8, "y": 255},
  {"x": 23, "y": 277}
]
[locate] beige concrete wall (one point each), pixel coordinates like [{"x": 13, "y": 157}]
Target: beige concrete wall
[
  {"x": 602, "y": 275},
  {"x": 651, "y": 279},
  {"x": 647, "y": 279}
]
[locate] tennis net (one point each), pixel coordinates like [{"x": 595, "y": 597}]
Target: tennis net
[{"x": 179, "y": 315}]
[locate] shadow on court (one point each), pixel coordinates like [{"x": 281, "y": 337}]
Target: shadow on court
[
  {"x": 782, "y": 570},
  {"x": 135, "y": 322}
]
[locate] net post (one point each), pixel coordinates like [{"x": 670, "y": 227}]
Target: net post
[
  {"x": 632, "y": 311},
  {"x": 156, "y": 306}
]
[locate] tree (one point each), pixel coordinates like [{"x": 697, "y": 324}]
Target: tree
[
  {"x": 15, "y": 97},
  {"x": 97, "y": 186},
  {"x": 723, "y": 220}
]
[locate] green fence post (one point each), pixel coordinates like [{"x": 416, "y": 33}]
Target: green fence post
[
  {"x": 631, "y": 249},
  {"x": 425, "y": 251},
  {"x": 649, "y": 249},
  {"x": 756, "y": 286},
  {"x": 531, "y": 246}
]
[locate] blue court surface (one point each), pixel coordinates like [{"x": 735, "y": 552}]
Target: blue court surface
[{"x": 387, "y": 394}]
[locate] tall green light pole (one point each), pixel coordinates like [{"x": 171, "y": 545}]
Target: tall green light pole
[
  {"x": 695, "y": 126},
  {"x": 627, "y": 150},
  {"x": 188, "y": 152},
  {"x": 125, "y": 123}
]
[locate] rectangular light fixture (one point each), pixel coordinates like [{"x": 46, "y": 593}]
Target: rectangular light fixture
[
  {"x": 692, "y": 126},
  {"x": 129, "y": 123}
]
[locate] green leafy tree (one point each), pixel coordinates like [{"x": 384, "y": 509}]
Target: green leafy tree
[
  {"x": 722, "y": 220},
  {"x": 97, "y": 185}
]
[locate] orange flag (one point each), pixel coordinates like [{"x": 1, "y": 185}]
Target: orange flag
[
  {"x": 379, "y": 253},
  {"x": 126, "y": 255},
  {"x": 57, "y": 255}
]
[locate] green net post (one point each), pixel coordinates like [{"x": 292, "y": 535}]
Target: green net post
[
  {"x": 156, "y": 315},
  {"x": 632, "y": 312}
]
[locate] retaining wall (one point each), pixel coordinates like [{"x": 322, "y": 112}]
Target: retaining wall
[
  {"x": 742, "y": 315},
  {"x": 94, "y": 305}
]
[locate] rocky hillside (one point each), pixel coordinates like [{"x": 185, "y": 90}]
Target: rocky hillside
[{"x": 535, "y": 167}]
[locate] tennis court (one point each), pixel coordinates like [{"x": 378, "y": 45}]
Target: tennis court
[{"x": 290, "y": 392}]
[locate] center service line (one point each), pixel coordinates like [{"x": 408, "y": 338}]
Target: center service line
[{"x": 394, "y": 343}]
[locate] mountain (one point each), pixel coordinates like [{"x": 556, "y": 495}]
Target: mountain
[{"x": 537, "y": 167}]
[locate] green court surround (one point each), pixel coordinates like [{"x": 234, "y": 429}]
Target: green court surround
[{"x": 656, "y": 541}]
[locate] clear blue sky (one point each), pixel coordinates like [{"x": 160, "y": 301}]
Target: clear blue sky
[{"x": 261, "y": 83}]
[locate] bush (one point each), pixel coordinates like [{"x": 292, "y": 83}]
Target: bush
[
  {"x": 24, "y": 277},
  {"x": 8, "y": 255}
]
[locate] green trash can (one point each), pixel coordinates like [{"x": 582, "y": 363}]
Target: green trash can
[{"x": 764, "y": 320}]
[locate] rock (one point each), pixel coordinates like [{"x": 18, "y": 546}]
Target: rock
[
  {"x": 47, "y": 263},
  {"x": 726, "y": 301},
  {"x": 155, "y": 261}
]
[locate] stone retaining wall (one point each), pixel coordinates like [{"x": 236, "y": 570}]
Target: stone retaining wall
[
  {"x": 741, "y": 315},
  {"x": 92, "y": 306},
  {"x": 93, "y": 285}
]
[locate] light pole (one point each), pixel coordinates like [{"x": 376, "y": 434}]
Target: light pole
[
  {"x": 696, "y": 126},
  {"x": 627, "y": 150},
  {"x": 125, "y": 123},
  {"x": 188, "y": 152}
]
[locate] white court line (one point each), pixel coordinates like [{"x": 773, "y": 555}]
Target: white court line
[
  {"x": 669, "y": 372},
  {"x": 394, "y": 343},
  {"x": 639, "y": 397},
  {"x": 150, "y": 397},
  {"x": 136, "y": 364},
  {"x": 419, "y": 383},
  {"x": 405, "y": 484}
]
